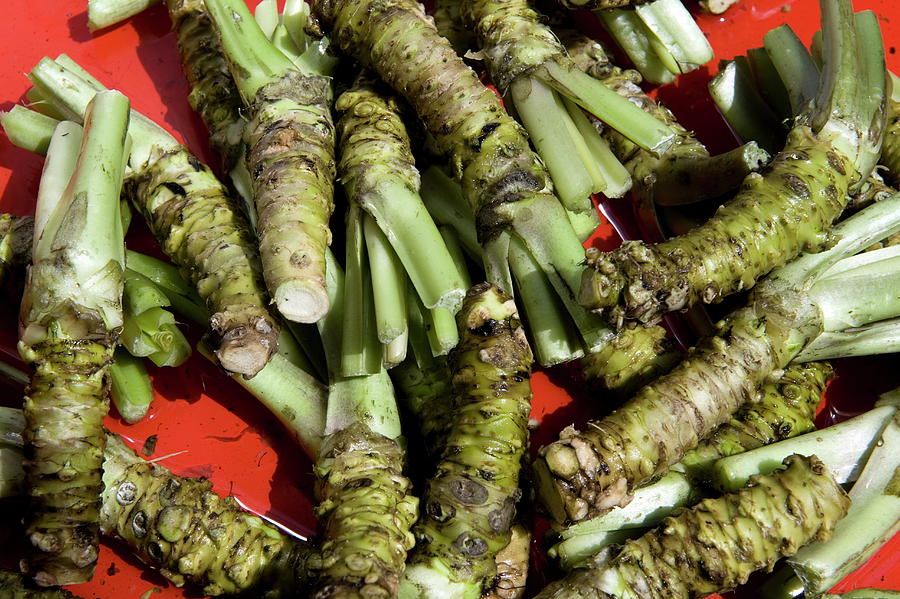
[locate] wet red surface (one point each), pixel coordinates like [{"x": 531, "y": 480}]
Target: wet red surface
[{"x": 205, "y": 424}]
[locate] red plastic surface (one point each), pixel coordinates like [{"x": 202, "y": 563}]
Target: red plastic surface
[{"x": 206, "y": 424}]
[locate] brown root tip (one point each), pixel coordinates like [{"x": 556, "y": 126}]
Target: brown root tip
[
  {"x": 246, "y": 350},
  {"x": 302, "y": 301}
]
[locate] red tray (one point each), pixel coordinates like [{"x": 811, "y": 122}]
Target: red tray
[{"x": 205, "y": 424}]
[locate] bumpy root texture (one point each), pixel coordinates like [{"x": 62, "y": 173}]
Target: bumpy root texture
[
  {"x": 192, "y": 535},
  {"x": 64, "y": 407},
  {"x": 585, "y": 474},
  {"x": 203, "y": 232},
  {"x": 631, "y": 359},
  {"x": 487, "y": 150},
  {"x": 16, "y": 233},
  {"x": 513, "y": 37},
  {"x": 290, "y": 155},
  {"x": 366, "y": 510},
  {"x": 716, "y": 545},
  {"x": 214, "y": 95},
  {"x": 469, "y": 504},
  {"x": 787, "y": 409},
  {"x": 785, "y": 209},
  {"x": 890, "y": 149}
]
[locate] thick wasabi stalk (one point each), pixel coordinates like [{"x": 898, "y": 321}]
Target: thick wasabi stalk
[
  {"x": 377, "y": 170},
  {"x": 150, "y": 330},
  {"x": 586, "y": 473},
  {"x": 470, "y": 503},
  {"x": 290, "y": 156},
  {"x": 103, "y": 13},
  {"x": 198, "y": 226},
  {"x": 716, "y": 545},
  {"x": 505, "y": 184},
  {"x": 686, "y": 173},
  {"x": 130, "y": 387},
  {"x": 16, "y": 235},
  {"x": 774, "y": 216},
  {"x": 633, "y": 358},
  {"x": 366, "y": 509},
  {"x": 70, "y": 319},
  {"x": 214, "y": 95}
]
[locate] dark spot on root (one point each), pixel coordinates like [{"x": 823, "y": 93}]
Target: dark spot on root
[
  {"x": 835, "y": 162},
  {"x": 175, "y": 188},
  {"x": 485, "y": 131},
  {"x": 470, "y": 545},
  {"x": 468, "y": 491},
  {"x": 195, "y": 164},
  {"x": 796, "y": 185},
  {"x": 488, "y": 328},
  {"x": 440, "y": 512}
]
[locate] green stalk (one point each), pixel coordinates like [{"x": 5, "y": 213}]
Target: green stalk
[
  {"x": 444, "y": 200},
  {"x": 631, "y": 34},
  {"x": 839, "y": 295},
  {"x": 601, "y": 163},
  {"x": 751, "y": 118},
  {"x": 71, "y": 315},
  {"x": 181, "y": 296},
  {"x": 390, "y": 290},
  {"x": 377, "y": 170},
  {"x": 130, "y": 386},
  {"x": 266, "y": 16},
  {"x": 674, "y": 28},
  {"x": 471, "y": 499},
  {"x": 294, "y": 18},
  {"x": 361, "y": 352},
  {"x": 551, "y": 332},
  {"x": 290, "y": 140},
  {"x": 769, "y": 83},
  {"x": 28, "y": 129},
  {"x": 104, "y": 13},
  {"x": 795, "y": 67},
  {"x": 874, "y": 518},
  {"x": 551, "y": 131},
  {"x": 775, "y": 516},
  {"x": 723, "y": 256},
  {"x": 191, "y": 232},
  {"x": 877, "y": 338},
  {"x": 58, "y": 168},
  {"x": 150, "y": 330},
  {"x": 295, "y": 397}
]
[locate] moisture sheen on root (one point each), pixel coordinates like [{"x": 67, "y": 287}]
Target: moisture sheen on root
[
  {"x": 366, "y": 510},
  {"x": 716, "y": 545},
  {"x": 204, "y": 233},
  {"x": 470, "y": 503},
  {"x": 290, "y": 155},
  {"x": 778, "y": 213},
  {"x": 192, "y": 535},
  {"x": 587, "y": 473},
  {"x": 65, "y": 404}
]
